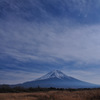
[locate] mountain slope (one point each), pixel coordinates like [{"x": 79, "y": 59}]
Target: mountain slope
[
  {"x": 58, "y": 80},
  {"x": 56, "y": 73}
]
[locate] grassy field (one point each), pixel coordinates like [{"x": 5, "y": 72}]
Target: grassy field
[{"x": 53, "y": 95}]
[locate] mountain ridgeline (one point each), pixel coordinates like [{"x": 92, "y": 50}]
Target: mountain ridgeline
[{"x": 57, "y": 79}]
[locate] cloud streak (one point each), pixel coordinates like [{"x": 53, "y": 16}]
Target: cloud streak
[
  {"x": 49, "y": 32},
  {"x": 50, "y": 41},
  {"x": 13, "y": 77}
]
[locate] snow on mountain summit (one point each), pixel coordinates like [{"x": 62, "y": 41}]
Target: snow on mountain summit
[
  {"x": 53, "y": 74},
  {"x": 58, "y": 80}
]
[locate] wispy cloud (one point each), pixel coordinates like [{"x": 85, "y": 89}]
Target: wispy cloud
[
  {"x": 49, "y": 32},
  {"x": 50, "y": 41},
  {"x": 17, "y": 76}
]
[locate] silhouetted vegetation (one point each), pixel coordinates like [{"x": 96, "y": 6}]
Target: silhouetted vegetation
[{"x": 18, "y": 89}]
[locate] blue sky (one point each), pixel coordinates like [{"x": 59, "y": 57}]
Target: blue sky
[{"x": 38, "y": 36}]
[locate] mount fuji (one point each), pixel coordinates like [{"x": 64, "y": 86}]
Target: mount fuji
[{"x": 58, "y": 79}]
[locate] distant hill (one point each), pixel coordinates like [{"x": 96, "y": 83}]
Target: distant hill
[{"x": 57, "y": 79}]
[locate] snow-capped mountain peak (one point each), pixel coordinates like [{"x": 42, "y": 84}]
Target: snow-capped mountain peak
[
  {"x": 53, "y": 74},
  {"x": 58, "y": 80}
]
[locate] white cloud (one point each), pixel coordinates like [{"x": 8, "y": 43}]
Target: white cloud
[
  {"x": 17, "y": 76},
  {"x": 51, "y": 40},
  {"x": 56, "y": 37}
]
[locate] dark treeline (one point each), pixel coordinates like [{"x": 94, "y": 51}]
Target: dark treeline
[{"x": 18, "y": 89}]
